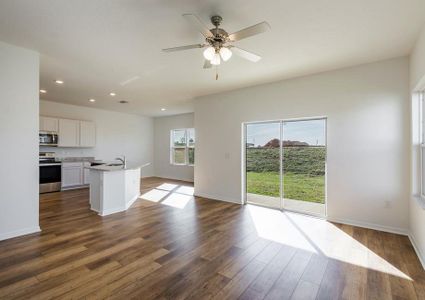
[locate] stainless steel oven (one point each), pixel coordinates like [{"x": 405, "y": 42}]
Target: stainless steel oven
[
  {"x": 48, "y": 138},
  {"x": 50, "y": 173}
]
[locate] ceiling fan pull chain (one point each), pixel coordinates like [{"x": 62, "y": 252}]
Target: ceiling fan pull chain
[{"x": 216, "y": 72}]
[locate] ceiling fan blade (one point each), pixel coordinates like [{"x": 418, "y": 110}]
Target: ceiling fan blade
[
  {"x": 207, "y": 64},
  {"x": 249, "y": 31},
  {"x": 246, "y": 54},
  {"x": 183, "y": 48},
  {"x": 195, "y": 21}
]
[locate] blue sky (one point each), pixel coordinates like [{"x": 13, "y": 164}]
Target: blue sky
[{"x": 310, "y": 131}]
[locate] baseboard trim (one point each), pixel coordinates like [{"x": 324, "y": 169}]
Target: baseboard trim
[
  {"x": 370, "y": 226},
  {"x": 173, "y": 178},
  {"x": 111, "y": 211},
  {"x": 20, "y": 232},
  {"x": 218, "y": 198},
  {"x": 76, "y": 187},
  {"x": 114, "y": 210},
  {"x": 130, "y": 203},
  {"x": 417, "y": 249}
]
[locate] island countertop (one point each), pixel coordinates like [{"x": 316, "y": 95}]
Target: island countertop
[{"x": 109, "y": 168}]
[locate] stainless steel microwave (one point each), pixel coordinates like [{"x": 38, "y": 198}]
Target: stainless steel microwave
[{"x": 47, "y": 138}]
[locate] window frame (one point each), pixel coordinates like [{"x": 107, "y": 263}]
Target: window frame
[
  {"x": 190, "y": 147},
  {"x": 186, "y": 147},
  {"x": 421, "y": 142}
]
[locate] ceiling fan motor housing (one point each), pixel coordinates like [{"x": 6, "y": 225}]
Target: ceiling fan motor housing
[
  {"x": 216, "y": 20},
  {"x": 220, "y": 36}
]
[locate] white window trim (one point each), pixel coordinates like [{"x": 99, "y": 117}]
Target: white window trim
[
  {"x": 186, "y": 148},
  {"x": 422, "y": 143}
]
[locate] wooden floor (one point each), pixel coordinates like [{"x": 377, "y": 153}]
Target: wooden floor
[{"x": 172, "y": 246}]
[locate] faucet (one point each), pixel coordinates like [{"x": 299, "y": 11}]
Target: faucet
[{"x": 123, "y": 160}]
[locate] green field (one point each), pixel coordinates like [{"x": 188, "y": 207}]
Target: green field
[
  {"x": 304, "y": 170},
  {"x": 180, "y": 156},
  {"x": 296, "y": 186}
]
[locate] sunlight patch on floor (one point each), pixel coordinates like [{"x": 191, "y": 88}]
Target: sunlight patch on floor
[
  {"x": 177, "y": 200},
  {"x": 318, "y": 236},
  {"x": 272, "y": 225},
  {"x": 167, "y": 186},
  {"x": 154, "y": 195},
  {"x": 187, "y": 190},
  {"x": 173, "y": 195}
]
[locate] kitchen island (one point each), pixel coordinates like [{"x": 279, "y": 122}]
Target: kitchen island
[{"x": 113, "y": 187}]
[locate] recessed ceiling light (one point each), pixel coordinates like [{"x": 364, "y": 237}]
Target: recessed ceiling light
[
  {"x": 112, "y": 94},
  {"x": 92, "y": 100},
  {"x": 58, "y": 81},
  {"x": 43, "y": 91},
  {"x": 162, "y": 109},
  {"x": 123, "y": 102}
]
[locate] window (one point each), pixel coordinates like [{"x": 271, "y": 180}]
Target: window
[{"x": 183, "y": 146}]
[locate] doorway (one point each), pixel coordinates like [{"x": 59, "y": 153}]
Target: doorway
[{"x": 285, "y": 165}]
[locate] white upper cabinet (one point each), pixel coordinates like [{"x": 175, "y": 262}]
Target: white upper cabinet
[
  {"x": 49, "y": 124},
  {"x": 69, "y": 133},
  {"x": 87, "y": 134}
]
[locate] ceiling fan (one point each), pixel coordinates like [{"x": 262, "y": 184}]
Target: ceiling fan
[{"x": 218, "y": 42}]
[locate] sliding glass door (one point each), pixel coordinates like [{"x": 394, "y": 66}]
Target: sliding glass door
[
  {"x": 304, "y": 166},
  {"x": 286, "y": 165},
  {"x": 263, "y": 164}
]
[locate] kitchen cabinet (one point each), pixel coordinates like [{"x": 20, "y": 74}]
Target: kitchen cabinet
[
  {"x": 87, "y": 134},
  {"x": 75, "y": 175},
  {"x": 69, "y": 133},
  {"x": 86, "y": 173},
  {"x": 49, "y": 124},
  {"x": 72, "y": 174}
]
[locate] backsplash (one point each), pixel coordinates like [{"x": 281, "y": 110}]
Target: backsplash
[{"x": 70, "y": 152}]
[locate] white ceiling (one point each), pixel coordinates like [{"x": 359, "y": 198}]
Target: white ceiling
[{"x": 96, "y": 45}]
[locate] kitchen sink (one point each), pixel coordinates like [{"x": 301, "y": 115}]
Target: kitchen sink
[{"x": 114, "y": 165}]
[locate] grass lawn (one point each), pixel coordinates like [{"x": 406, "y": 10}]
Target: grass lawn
[{"x": 295, "y": 186}]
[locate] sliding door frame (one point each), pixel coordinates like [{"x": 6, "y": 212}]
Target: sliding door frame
[
  {"x": 243, "y": 163},
  {"x": 244, "y": 184}
]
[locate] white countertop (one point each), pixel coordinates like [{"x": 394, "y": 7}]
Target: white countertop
[{"x": 106, "y": 168}]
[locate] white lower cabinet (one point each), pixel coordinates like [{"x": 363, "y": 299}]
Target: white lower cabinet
[
  {"x": 74, "y": 174},
  {"x": 86, "y": 173}
]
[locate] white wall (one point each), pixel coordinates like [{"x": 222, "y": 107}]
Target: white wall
[
  {"x": 116, "y": 134},
  {"x": 163, "y": 126},
  {"x": 417, "y": 206},
  {"x": 417, "y": 62},
  {"x": 19, "y": 73},
  {"x": 368, "y": 138}
]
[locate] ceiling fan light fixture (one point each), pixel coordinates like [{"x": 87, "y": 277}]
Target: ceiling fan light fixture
[
  {"x": 216, "y": 59},
  {"x": 225, "y": 53},
  {"x": 209, "y": 53}
]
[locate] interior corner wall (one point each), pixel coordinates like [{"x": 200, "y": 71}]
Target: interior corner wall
[
  {"x": 417, "y": 205},
  {"x": 163, "y": 127},
  {"x": 19, "y": 81},
  {"x": 368, "y": 147}
]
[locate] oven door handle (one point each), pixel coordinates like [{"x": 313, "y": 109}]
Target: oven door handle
[{"x": 52, "y": 164}]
